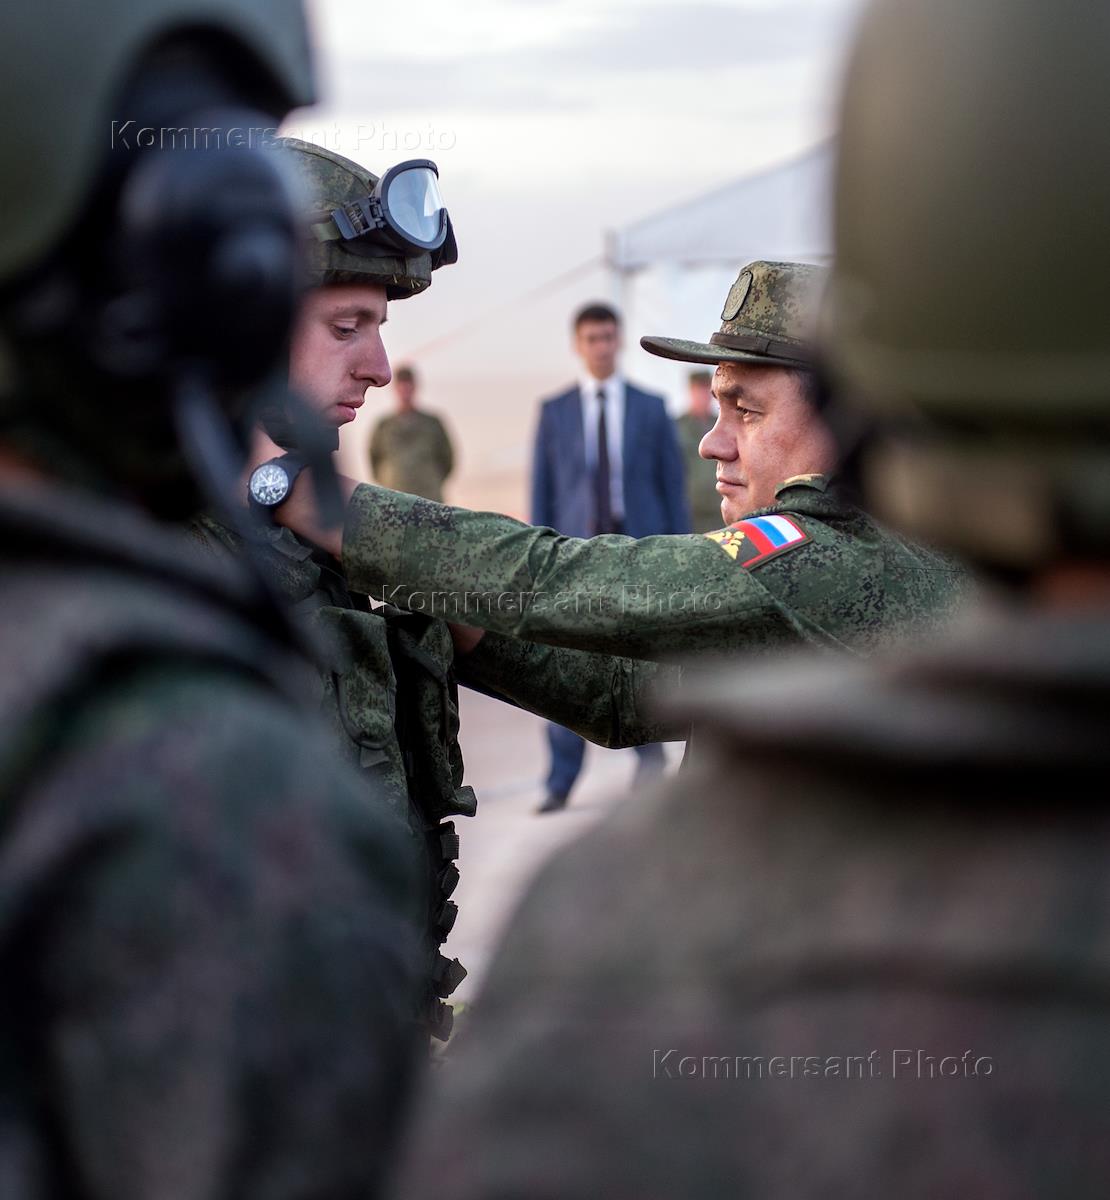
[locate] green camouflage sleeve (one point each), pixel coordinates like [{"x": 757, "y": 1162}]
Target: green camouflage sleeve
[
  {"x": 651, "y": 598},
  {"x": 604, "y": 698},
  {"x": 226, "y": 976}
]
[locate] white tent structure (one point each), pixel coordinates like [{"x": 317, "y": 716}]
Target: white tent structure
[{"x": 670, "y": 272}]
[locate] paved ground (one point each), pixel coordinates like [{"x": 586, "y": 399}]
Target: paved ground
[{"x": 502, "y": 847}]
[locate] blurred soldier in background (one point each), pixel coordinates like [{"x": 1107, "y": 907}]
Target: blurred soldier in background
[
  {"x": 207, "y": 974},
  {"x": 385, "y": 683},
  {"x": 701, "y": 476},
  {"x": 864, "y": 950},
  {"x": 410, "y": 450},
  {"x": 800, "y": 562}
]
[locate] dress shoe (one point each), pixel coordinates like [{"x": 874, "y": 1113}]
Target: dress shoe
[{"x": 554, "y": 802}]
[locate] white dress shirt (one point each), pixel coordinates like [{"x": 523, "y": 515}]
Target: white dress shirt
[{"x": 614, "y": 389}]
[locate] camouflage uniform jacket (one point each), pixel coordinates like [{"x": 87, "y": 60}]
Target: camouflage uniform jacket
[
  {"x": 622, "y": 608},
  {"x": 861, "y": 949},
  {"x": 188, "y": 915},
  {"x": 387, "y": 691}
]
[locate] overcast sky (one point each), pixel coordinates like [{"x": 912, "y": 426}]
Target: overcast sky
[{"x": 555, "y": 120}]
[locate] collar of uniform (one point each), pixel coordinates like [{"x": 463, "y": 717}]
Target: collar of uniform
[
  {"x": 290, "y": 563},
  {"x": 287, "y": 543},
  {"x": 286, "y": 559},
  {"x": 818, "y": 482},
  {"x": 810, "y": 495}
]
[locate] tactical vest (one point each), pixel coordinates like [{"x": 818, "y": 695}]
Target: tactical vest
[{"x": 387, "y": 687}]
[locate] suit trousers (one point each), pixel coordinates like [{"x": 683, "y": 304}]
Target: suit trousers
[{"x": 568, "y": 751}]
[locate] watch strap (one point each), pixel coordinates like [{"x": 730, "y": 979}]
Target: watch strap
[{"x": 292, "y": 464}]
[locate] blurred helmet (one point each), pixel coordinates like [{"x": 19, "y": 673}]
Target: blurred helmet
[
  {"x": 968, "y": 289},
  {"x": 148, "y": 238},
  {"x": 64, "y": 66},
  {"x": 339, "y": 191}
]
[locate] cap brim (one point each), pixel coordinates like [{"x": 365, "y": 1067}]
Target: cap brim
[{"x": 705, "y": 353}]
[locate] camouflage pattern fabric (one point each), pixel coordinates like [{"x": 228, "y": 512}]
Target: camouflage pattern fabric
[
  {"x": 208, "y": 965},
  {"x": 701, "y": 473},
  {"x": 853, "y": 952},
  {"x": 605, "y": 698},
  {"x": 331, "y": 181},
  {"x": 769, "y": 319},
  {"x": 844, "y": 583},
  {"x": 411, "y": 452},
  {"x": 387, "y": 693}
]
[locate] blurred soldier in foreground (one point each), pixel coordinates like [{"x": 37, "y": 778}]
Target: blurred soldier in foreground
[
  {"x": 410, "y": 450},
  {"x": 385, "y": 682},
  {"x": 207, "y": 977},
  {"x": 863, "y": 951},
  {"x": 798, "y": 563},
  {"x": 701, "y": 493}
]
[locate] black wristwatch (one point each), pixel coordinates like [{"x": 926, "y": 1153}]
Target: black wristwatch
[{"x": 271, "y": 483}]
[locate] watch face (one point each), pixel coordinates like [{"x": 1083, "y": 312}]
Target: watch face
[{"x": 269, "y": 485}]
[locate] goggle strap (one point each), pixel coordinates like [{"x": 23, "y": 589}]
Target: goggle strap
[
  {"x": 353, "y": 221},
  {"x": 358, "y": 218}
]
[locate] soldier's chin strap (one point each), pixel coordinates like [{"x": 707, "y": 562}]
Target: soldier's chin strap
[
  {"x": 214, "y": 454},
  {"x": 294, "y": 426},
  {"x": 212, "y": 451}
]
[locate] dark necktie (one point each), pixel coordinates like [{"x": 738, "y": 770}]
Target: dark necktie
[{"x": 601, "y": 474}]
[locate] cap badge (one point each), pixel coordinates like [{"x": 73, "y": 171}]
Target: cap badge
[{"x": 737, "y": 294}]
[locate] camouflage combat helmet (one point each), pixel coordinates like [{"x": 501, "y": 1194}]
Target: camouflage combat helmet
[
  {"x": 332, "y": 182},
  {"x": 969, "y": 287},
  {"x": 769, "y": 318},
  {"x": 57, "y": 94}
]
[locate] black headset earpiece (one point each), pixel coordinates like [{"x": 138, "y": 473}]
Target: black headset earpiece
[
  {"x": 212, "y": 241},
  {"x": 207, "y": 240}
]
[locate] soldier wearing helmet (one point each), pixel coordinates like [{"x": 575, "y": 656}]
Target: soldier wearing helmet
[
  {"x": 385, "y": 676},
  {"x": 797, "y": 563},
  {"x": 863, "y": 949},
  {"x": 205, "y": 945}
]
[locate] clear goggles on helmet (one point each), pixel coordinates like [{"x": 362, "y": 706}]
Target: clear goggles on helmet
[{"x": 404, "y": 212}]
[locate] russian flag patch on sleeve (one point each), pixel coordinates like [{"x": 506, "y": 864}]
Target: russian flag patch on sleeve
[{"x": 757, "y": 539}]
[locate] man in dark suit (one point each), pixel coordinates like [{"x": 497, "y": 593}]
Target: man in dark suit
[{"x": 606, "y": 461}]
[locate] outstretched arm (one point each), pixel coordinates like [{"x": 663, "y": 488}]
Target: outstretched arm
[
  {"x": 649, "y": 598},
  {"x": 604, "y": 698}
]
